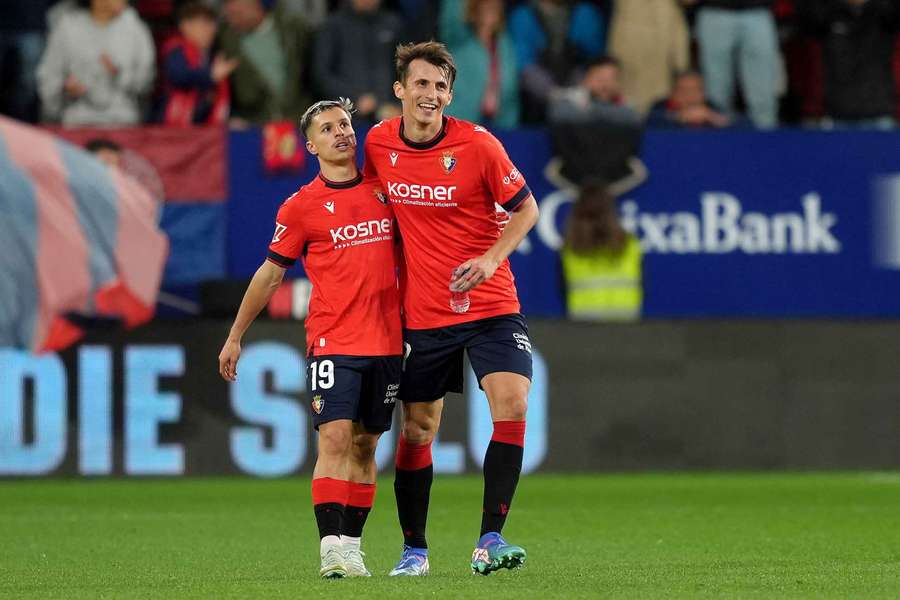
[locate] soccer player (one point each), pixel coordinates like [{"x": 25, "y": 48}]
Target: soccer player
[
  {"x": 443, "y": 177},
  {"x": 342, "y": 228}
]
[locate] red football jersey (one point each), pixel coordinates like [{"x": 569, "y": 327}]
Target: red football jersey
[
  {"x": 443, "y": 193},
  {"x": 344, "y": 233}
]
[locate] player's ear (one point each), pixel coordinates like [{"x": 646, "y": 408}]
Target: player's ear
[
  {"x": 398, "y": 90},
  {"x": 449, "y": 97},
  {"x": 311, "y": 148}
]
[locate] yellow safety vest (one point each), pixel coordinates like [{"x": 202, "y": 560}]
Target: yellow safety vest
[{"x": 604, "y": 286}]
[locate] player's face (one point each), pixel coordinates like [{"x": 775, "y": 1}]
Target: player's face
[
  {"x": 425, "y": 92},
  {"x": 331, "y": 136}
]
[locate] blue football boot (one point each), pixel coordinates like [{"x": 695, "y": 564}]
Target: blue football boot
[{"x": 413, "y": 563}]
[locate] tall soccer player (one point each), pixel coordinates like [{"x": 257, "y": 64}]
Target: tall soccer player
[
  {"x": 342, "y": 228},
  {"x": 443, "y": 177}
]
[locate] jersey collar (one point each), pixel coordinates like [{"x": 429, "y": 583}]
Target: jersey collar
[
  {"x": 342, "y": 185},
  {"x": 430, "y": 143}
]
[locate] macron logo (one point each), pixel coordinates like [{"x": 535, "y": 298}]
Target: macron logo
[
  {"x": 394, "y": 157},
  {"x": 329, "y": 206}
]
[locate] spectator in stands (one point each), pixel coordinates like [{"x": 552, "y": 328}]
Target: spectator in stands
[
  {"x": 420, "y": 19},
  {"x": 475, "y": 33},
  {"x": 738, "y": 37},
  {"x": 601, "y": 261},
  {"x": 98, "y": 66},
  {"x": 858, "y": 46},
  {"x": 22, "y": 39},
  {"x": 554, "y": 40},
  {"x": 107, "y": 151},
  {"x": 314, "y": 12},
  {"x": 652, "y": 42},
  {"x": 687, "y": 106},
  {"x": 270, "y": 45},
  {"x": 196, "y": 82},
  {"x": 597, "y": 97},
  {"x": 354, "y": 57},
  {"x": 595, "y": 134}
]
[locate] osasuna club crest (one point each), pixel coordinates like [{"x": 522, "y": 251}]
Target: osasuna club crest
[
  {"x": 318, "y": 403},
  {"x": 448, "y": 162},
  {"x": 381, "y": 196}
]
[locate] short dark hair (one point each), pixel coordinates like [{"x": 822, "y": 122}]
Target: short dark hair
[
  {"x": 195, "y": 8},
  {"x": 432, "y": 52},
  {"x": 97, "y": 144},
  {"x": 604, "y": 61},
  {"x": 321, "y": 106},
  {"x": 688, "y": 73}
]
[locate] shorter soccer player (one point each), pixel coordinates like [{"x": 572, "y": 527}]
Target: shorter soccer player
[{"x": 342, "y": 228}]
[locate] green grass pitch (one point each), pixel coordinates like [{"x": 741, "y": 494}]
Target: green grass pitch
[{"x": 638, "y": 536}]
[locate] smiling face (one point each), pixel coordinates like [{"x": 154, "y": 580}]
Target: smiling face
[
  {"x": 424, "y": 94},
  {"x": 330, "y": 136}
]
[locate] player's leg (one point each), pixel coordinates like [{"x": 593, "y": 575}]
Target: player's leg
[
  {"x": 501, "y": 357},
  {"x": 432, "y": 366},
  {"x": 362, "y": 473},
  {"x": 330, "y": 493},
  {"x": 333, "y": 384},
  {"x": 378, "y": 396},
  {"x": 413, "y": 476},
  {"x": 508, "y": 398}
]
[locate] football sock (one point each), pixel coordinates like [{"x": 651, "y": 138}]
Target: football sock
[
  {"x": 362, "y": 495},
  {"x": 329, "y": 498},
  {"x": 502, "y": 465},
  {"x": 412, "y": 487},
  {"x": 350, "y": 543}
]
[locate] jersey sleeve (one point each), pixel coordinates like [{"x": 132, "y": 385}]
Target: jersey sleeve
[
  {"x": 505, "y": 182},
  {"x": 368, "y": 155},
  {"x": 289, "y": 239}
]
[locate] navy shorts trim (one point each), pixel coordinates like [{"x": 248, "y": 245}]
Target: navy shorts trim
[
  {"x": 363, "y": 389},
  {"x": 433, "y": 358}
]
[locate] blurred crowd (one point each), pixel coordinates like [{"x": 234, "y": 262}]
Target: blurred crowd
[{"x": 663, "y": 63}]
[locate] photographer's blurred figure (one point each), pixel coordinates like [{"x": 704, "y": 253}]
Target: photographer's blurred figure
[{"x": 601, "y": 261}]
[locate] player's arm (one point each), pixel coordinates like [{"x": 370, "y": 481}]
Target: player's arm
[
  {"x": 263, "y": 285},
  {"x": 476, "y": 270},
  {"x": 507, "y": 186}
]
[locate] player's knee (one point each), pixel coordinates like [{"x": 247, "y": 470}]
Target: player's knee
[
  {"x": 511, "y": 407},
  {"x": 419, "y": 431},
  {"x": 364, "y": 445},
  {"x": 334, "y": 441}
]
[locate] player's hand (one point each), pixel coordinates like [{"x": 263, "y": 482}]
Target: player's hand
[
  {"x": 473, "y": 273},
  {"x": 228, "y": 359}
]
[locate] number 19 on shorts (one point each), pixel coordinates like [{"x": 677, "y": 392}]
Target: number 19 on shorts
[{"x": 321, "y": 374}]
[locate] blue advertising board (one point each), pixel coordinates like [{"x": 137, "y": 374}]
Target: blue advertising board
[{"x": 790, "y": 223}]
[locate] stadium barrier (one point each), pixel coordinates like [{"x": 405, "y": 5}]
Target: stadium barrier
[{"x": 658, "y": 395}]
